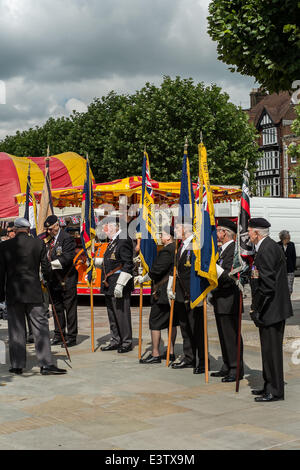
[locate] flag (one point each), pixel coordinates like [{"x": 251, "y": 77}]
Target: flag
[
  {"x": 46, "y": 204},
  {"x": 244, "y": 252},
  {"x": 205, "y": 248},
  {"x": 30, "y": 205},
  {"x": 88, "y": 225},
  {"x": 147, "y": 223},
  {"x": 246, "y": 247}
]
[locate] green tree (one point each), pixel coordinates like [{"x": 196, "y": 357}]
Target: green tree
[
  {"x": 258, "y": 38},
  {"x": 116, "y": 128}
]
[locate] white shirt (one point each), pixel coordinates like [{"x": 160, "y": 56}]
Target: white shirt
[
  {"x": 186, "y": 243},
  {"x": 115, "y": 236},
  {"x": 223, "y": 247},
  {"x": 259, "y": 243}
]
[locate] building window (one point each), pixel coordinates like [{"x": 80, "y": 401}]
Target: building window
[{"x": 269, "y": 135}]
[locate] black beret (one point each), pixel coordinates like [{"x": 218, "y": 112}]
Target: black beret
[
  {"x": 259, "y": 222},
  {"x": 51, "y": 220},
  {"x": 11, "y": 225},
  {"x": 169, "y": 230},
  {"x": 227, "y": 223}
]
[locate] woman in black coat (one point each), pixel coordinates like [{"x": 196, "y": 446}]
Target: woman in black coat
[{"x": 289, "y": 250}]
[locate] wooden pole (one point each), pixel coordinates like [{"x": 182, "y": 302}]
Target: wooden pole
[
  {"x": 141, "y": 321},
  {"x": 92, "y": 317},
  {"x": 205, "y": 340},
  {"x": 238, "y": 362},
  {"x": 58, "y": 324},
  {"x": 172, "y": 305}
]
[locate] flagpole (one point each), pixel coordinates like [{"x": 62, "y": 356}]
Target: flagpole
[
  {"x": 141, "y": 317},
  {"x": 205, "y": 340},
  {"x": 92, "y": 316},
  {"x": 239, "y": 337},
  {"x": 172, "y": 305}
]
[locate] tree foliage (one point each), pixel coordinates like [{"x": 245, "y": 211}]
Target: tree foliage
[
  {"x": 116, "y": 129},
  {"x": 259, "y": 38}
]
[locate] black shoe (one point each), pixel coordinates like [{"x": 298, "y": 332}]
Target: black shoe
[
  {"x": 151, "y": 360},
  {"x": 268, "y": 397},
  {"x": 125, "y": 349},
  {"x": 220, "y": 373},
  {"x": 13, "y": 370},
  {"x": 199, "y": 370},
  {"x": 52, "y": 370},
  {"x": 56, "y": 341},
  {"x": 230, "y": 378},
  {"x": 182, "y": 365},
  {"x": 70, "y": 343},
  {"x": 172, "y": 356},
  {"x": 258, "y": 392},
  {"x": 110, "y": 347}
]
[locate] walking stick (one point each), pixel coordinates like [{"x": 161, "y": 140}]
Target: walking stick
[
  {"x": 92, "y": 316},
  {"x": 205, "y": 339},
  {"x": 238, "y": 366},
  {"x": 172, "y": 305},
  {"x": 58, "y": 324}
]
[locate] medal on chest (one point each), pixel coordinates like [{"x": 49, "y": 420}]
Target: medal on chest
[
  {"x": 188, "y": 260},
  {"x": 254, "y": 272},
  {"x": 59, "y": 251}
]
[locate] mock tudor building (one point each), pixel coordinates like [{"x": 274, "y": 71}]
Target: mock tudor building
[{"x": 273, "y": 115}]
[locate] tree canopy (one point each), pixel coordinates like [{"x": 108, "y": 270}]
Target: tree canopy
[
  {"x": 116, "y": 128},
  {"x": 258, "y": 38}
]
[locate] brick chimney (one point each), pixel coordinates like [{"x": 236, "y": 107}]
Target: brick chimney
[{"x": 256, "y": 95}]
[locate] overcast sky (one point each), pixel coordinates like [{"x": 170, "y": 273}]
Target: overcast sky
[{"x": 57, "y": 55}]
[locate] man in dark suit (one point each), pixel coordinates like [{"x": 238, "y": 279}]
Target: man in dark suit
[
  {"x": 191, "y": 321},
  {"x": 225, "y": 300},
  {"x": 20, "y": 261},
  {"x": 271, "y": 306},
  {"x": 117, "y": 285},
  {"x": 160, "y": 307},
  {"x": 63, "y": 284}
]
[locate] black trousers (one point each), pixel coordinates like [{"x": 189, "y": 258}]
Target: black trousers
[
  {"x": 65, "y": 303},
  {"x": 119, "y": 316},
  {"x": 271, "y": 340},
  {"x": 17, "y": 334},
  {"x": 227, "y": 326},
  {"x": 191, "y": 324}
]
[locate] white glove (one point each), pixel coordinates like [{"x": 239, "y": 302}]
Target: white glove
[
  {"x": 121, "y": 283},
  {"x": 209, "y": 298},
  {"x": 98, "y": 262},
  {"x": 56, "y": 265},
  {"x": 219, "y": 271},
  {"x": 142, "y": 279},
  {"x": 170, "y": 293}
]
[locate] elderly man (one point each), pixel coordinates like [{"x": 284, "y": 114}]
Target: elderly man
[
  {"x": 271, "y": 306},
  {"x": 63, "y": 285},
  {"x": 190, "y": 320},
  {"x": 21, "y": 259},
  {"x": 117, "y": 285},
  {"x": 225, "y": 299}
]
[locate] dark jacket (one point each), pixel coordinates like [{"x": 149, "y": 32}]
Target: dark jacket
[
  {"x": 183, "y": 280},
  {"x": 290, "y": 256},
  {"x": 225, "y": 298},
  {"x": 269, "y": 285},
  {"x": 64, "y": 251},
  {"x": 20, "y": 262},
  {"x": 119, "y": 253},
  {"x": 160, "y": 270}
]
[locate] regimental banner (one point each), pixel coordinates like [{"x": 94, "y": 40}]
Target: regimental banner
[
  {"x": 88, "y": 226},
  {"x": 204, "y": 272},
  {"x": 148, "y": 229},
  {"x": 30, "y": 205},
  {"x": 246, "y": 247}
]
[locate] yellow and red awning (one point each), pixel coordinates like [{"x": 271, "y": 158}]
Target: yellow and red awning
[
  {"x": 66, "y": 170},
  {"x": 109, "y": 193}
]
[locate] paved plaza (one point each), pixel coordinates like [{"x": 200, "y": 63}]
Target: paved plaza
[{"x": 109, "y": 401}]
